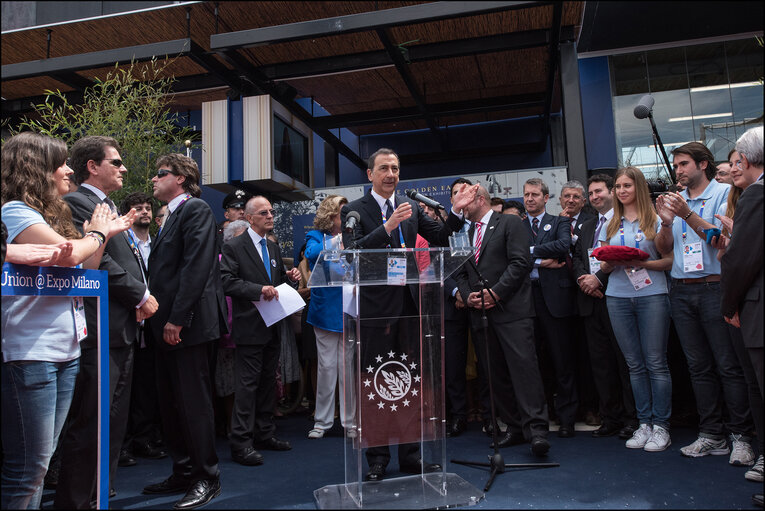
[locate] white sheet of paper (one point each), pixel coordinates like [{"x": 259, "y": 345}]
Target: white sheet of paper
[{"x": 289, "y": 302}]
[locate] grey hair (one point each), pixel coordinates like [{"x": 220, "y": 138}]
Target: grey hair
[
  {"x": 535, "y": 181},
  {"x": 750, "y": 145},
  {"x": 576, "y": 185},
  {"x": 233, "y": 229}
]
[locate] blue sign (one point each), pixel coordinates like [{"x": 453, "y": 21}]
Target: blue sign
[{"x": 20, "y": 280}]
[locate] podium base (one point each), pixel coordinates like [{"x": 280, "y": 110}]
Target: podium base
[{"x": 428, "y": 491}]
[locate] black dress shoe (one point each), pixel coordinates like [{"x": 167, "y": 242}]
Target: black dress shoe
[
  {"x": 126, "y": 459},
  {"x": 274, "y": 444},
  {"x": 149, "y": 451},
  {"x": 539, "y": 446},
  {"x": 606, "y": 430},
  {"x": 376, "y": 472},
  {"x": 456, "y": 428},
  {"x": 247, "y": 456},
  {"x": 510, "y": 439},
  {"x": 488, "y": 428},
  {"x": 200, "y": 493},
  {"x": 626, "y": 432},
  {"x": 566, "y": 432},
  {"x": 418, "y": 468},
  {"x": 757, "y": 499},
  {"x": 173, "y": 484}
]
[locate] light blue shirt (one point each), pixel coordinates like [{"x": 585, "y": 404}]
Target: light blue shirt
[
  {"x": 715, "y": 201},
  {"x": 619, "y": 284}
]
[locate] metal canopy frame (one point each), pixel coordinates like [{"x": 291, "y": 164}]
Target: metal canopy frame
[{"x": 247, "y": 78}]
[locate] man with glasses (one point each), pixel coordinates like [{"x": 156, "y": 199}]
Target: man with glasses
[
  {"x": 251, "y": 268},
  {"x": 186, "y": 279},
  {"x": 99, "y": 171}
]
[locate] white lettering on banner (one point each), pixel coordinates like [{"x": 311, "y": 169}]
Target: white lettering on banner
[
  {"x": 57, "y": 282},
  {"x": 17, "y": 280},
  {"x": 82, "y": 283}
]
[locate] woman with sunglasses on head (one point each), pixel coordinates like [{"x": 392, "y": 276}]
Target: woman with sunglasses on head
[
  {"x": 40, "y": 335},
  {"x": 638, "y": 306}
]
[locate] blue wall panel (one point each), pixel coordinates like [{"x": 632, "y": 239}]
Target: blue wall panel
[{"x": 597, "y": 112}]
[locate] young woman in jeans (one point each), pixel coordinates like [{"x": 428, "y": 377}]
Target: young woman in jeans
[
  {"x": 40, "y": 339},
  {"x": 638, "y": 305}
]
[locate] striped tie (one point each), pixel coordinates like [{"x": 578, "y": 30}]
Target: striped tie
[{"x": 477, "y": 240}]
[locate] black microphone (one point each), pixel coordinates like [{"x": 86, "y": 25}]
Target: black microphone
[
  {"x": 414, "y": 195},
  {"x": 351, "y": 221},
  {"x": 644, "y": 106}
]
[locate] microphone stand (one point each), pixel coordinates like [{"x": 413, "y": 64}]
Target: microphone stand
[
  {"x": 496, "y": 462},
  {"x": 657, "y": 140}
]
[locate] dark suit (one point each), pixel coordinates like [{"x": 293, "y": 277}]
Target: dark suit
[
  {"x": 77, "y": 477},
  {"x": 555, "y": 303},
  {"x": 388, "y": 303},
  {"x": 504, "y": 262},
  {"x": 609, "y": 369},
  {"x": 185, "y": 278},
  {"x": 257, "y": 345},
  {"x": 741, "y": 269}
]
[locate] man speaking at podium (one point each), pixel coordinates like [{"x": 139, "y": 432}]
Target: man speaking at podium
[{"x": 388, "y": 220}]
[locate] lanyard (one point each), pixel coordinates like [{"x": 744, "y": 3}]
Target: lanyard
[
  {"x": 400, "y": 235},
  {"x": 638, "y": 235},
  {"x": 701, "y": 213}
]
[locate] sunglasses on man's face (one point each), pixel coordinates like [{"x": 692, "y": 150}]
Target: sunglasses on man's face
[{"x": 163, "y": 172}]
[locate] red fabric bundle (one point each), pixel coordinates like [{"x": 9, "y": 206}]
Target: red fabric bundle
[{"x": 619, "y": 253}]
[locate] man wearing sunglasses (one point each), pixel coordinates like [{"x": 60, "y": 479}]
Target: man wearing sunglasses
[
  {"x": 99, "y": 171},
  {"x": 251, "y": 268},
  {"x": 186, "y": 280}
]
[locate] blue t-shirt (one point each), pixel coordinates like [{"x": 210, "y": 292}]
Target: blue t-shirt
[
  {"x": 325, "y": 310},
  {"x": 35, "y": 327},
  {"x": 713, "y": 200},
  {"x": 619, "y": 284}
]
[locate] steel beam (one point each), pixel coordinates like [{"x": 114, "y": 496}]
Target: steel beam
[
  {"x": 553, "y": 62},
  {"x": 372, "y": 20},
  {"x": 92, "y": 60}
]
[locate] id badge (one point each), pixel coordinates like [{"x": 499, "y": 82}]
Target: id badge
[
  {"x": 693, "y": 257},
  {"x": 397, "y": 271},
  {"x": 639, "y": 277},
  {"x": 594, "y": 261},
  {"x": 80, "y": 324}
]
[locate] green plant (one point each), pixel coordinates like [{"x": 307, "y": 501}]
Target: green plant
[{"x": 132, "y": 105}]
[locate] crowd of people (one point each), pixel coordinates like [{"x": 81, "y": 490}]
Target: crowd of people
[{"x": 579, "y": 309}]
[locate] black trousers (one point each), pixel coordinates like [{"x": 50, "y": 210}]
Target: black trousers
[
  {"x": 188, "y": 423},
  {"x": 79, "y": 448},
  {"x": 144, "y": 422},
  {"x": 515, "y": 378},
  {"x": 609, "y": 369},
  {"x": 455, "y": 361},
  {"x": 553, "y": 336},
  {"x": 752, "y": 385},
  {"x": 255, "y": 393}
]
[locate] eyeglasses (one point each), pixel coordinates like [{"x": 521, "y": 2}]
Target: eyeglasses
[
  {"x": 267, "y": 212},
  {"x": 163, "y": 172},
  {"x": 116, "y": 162},
  {"x": 737, "y": 163}
]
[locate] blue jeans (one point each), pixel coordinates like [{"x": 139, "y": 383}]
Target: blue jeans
[
  {"x": 641, "y": 326},
  {"x": 35, "y": 401},
  {"x": 715, "y": 370}
]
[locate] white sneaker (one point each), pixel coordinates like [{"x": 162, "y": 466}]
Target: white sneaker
[
  {"x": 703, "y": 446},
  {"x": 755, "y": 473},
  {"x": 639, "y": 437},
  {"x": 316, "y": 433},
  {"x": 659, "y": 440},
  {"x": 742, "y": 453}
]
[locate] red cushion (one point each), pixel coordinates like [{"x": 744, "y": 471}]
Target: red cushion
[{"x": 619, "y": 253}]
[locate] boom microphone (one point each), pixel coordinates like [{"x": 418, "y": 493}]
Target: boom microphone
[
  {"x": 414, "y": 195},
  {"x": 643, "y": 108},
  {"x": 351, "y": 221}
]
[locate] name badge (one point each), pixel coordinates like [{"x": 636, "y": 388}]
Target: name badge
[
  {"x": 80, "y": 324},
  {"x": 639, "y": 277},
  {"x": 693, "y": 257},
  {"x": 397, "y": 271},
  {"x": 594, "y": 261}
]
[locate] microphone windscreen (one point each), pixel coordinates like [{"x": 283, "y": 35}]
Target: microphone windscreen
[
  {"x": 644, "y": 107},
  {"x": 353, "y": 214}
]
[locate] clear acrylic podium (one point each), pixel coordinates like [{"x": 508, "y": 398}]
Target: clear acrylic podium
[{"x": 392, "y": 383}]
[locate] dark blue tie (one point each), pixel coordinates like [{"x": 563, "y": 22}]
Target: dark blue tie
[
  {"x": 394, "y": 242},
  {"x": 266, "y": 260}
]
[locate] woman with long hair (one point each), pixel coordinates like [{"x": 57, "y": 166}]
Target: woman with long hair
[
  {"x": 326, "y": 316},
  {"x": 40, "y": 335},
  {"x": 638, "y": 306}
]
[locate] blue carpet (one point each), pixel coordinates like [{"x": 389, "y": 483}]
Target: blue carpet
[{"x": 595, "y": 473}]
